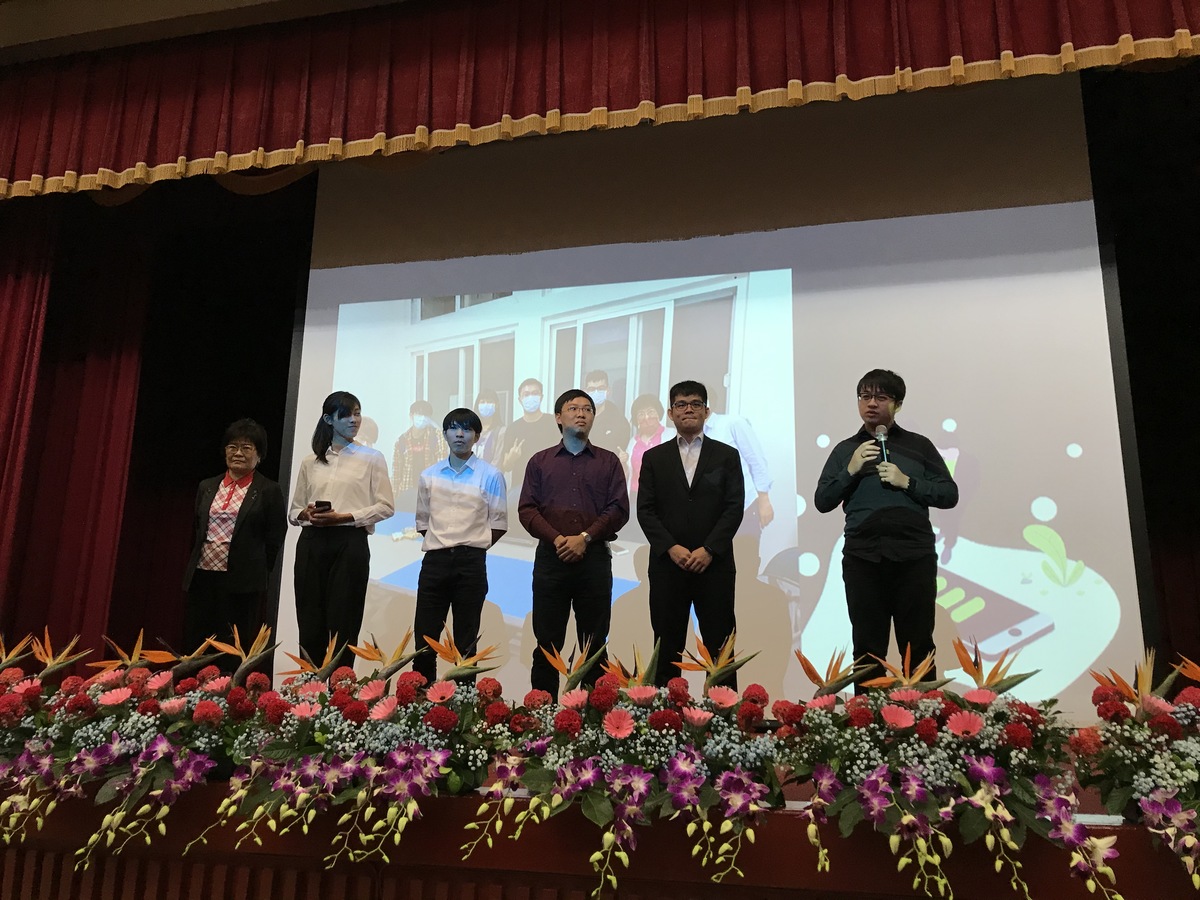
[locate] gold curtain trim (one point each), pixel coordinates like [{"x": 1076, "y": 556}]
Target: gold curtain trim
[{"x": 795, "y": 93}]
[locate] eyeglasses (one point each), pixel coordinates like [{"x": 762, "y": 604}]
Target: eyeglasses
[
  {"x": 681, "y": 405},
  {"x": 575, "y": 410},
  {"x": 244, "y": 448},
  {"x": 882, "y": 398}
]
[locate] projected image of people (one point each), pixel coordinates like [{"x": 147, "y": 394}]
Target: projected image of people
[{"x": 415, "y": 450}]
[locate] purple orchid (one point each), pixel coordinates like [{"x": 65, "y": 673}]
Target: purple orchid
[
  {"x": 984, "y": 768},
  {"x": 912, "y": 786},
  {"x": 826, "y": 783}
]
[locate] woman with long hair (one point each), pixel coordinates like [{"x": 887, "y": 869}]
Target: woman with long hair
[{"x": 342, "y": 491}]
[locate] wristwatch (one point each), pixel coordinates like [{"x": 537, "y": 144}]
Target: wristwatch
[{"x": 587, "y": 538}]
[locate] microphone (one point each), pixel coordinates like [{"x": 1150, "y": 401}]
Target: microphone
[{"x": 881, "y": 436}]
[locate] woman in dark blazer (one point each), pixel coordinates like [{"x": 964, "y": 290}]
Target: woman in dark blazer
[{"x": 238, "y": 528}]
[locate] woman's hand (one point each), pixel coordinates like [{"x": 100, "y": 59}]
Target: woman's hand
[{"x": 329, "y": 517}]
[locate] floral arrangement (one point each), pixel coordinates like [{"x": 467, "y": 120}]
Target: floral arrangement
[
  {"x": 1144, "y": 754},
  {"x": 911, "y": 759}
]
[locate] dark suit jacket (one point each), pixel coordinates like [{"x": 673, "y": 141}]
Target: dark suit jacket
[
  {"x": 257, "y": 534},
  {"x": 705, "y": 515}
]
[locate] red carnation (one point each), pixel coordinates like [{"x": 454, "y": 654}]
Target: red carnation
[
  {"x": 787, "y": 712},
  {"x": 241, "y": 711},
  {"x": 756, "y": 693},
  {"x": 81, "y": 704},
  {"x": 665, "y": 720},
  {"x": 137, "y": 675},
  {"x": 1189, "y": 695},
  {"x": 257, "y": 682},
  {"x": 608, "y": 680},
  {"x": 677, "y": 691},
  {"x": 1086, "y": 741},
  {"x": 937, "y": 694},
  {"x": 949, "y": 708},
  {"x": 522, "y": 722},
  {"x": 266, "y": 697},
  {"x": 186, "y": 685},
  {"x": 1166, "y": 724},
  {"x": 355, "y": 711},
  {"x": 1113, "y": 711},
  {"x": 441, "y": 718},
  {"x": 1030, "y": 715},
  {"x": 137, "y": 689},
  {"x": 31, "y": 693},
  {"x": 274, "y": 709},
  {"x": 1104, "y": 693},
  {"x": 208, "y": 673},
  {"x": 236, "y": 695},
  {"x": 71, "y": 684},
  {"x": 748, "y": 715},
  {"x": 568, "y": 722},
  {"x": 406, "y": 692},
  {"x": 1017, "y": 734},
  {"x": 11, "y": 675},
  {"x": 207, "y": 712},
  {"x": 496, "y": 712},
  {"x": 536, "y": 699},
  {"x": 603, "y": 697},
  {"x": 860, "y": 715},
  {"x": 927, "y": 731},
  {"x": 416, "y": 679},
  {"x": 343, "y": 677},
  {"x": 489, "y": 688},
  {"x": 340, "y": 698},
  {"x": 148, "y": 707},
  {"x": 12, "y": 710}
]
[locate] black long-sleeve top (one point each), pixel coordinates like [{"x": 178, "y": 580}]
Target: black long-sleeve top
[{"x": 882, "y": 521}]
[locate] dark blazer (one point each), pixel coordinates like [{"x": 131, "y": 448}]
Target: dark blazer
[
  {"x": 257, "y": 534},
  {"x": 707, "y": 514}
]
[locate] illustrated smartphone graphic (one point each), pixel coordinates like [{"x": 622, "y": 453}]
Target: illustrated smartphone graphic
[{"x": 997, "y": 623}]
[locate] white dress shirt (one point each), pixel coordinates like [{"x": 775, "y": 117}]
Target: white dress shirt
[
  {"x": 689, "y": 454},
  {"x": 354, "y": 480},
  {"x": 461, "y": 508}
]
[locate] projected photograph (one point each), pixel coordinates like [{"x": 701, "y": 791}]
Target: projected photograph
[{"x": 509, "y": 354}]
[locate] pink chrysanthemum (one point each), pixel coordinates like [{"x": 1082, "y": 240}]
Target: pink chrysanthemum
[
  {"x": 825, "y": 702},
  {"x": 158, "y": 681},
  {"x": 576, "y": 699},
  {"x": 384, "y": 708},
  {"x": 897, "y": 716},
  {"x": 982, "y": 696},
  {"x": 440, "y": 691},
  {"x": 964, "y": 723},
  {"x": 642, "y": 694},
  {"x": 173, "y": 706},
  {"x": 312, "y": 688},
  {"x": 217, "y": 685},
  {"x": 618, "y": 723},
  {"x": 1156, "y": 706},
  {"x": 905, "y": 695},
  {"x": 115, "y": 697},
  {"x": 723, "y": 697},
  {"x": 372, "y": 690},
  {"x": 697, "y": 718}
]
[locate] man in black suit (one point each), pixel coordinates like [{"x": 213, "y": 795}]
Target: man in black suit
[
  {"x": 690, "y": 500},
  {"x": 239, "y": 523}
]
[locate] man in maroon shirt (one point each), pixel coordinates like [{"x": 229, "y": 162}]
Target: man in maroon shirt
[{"x": 574, "y": 501}]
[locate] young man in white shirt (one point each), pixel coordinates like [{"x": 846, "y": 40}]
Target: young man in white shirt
[{"x": 462, "y": 510}]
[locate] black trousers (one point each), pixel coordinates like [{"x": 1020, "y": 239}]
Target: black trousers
[
  {"x": 886, "y": 593},
  {"x": 452, "y": 579},
  {"x": 673, "y": 595},
  {"x": 213, "y": 609},
  {"x": 332, "y": 568},
  {"x": 558, "y": 587}
]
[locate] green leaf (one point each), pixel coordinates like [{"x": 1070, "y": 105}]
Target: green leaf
[
  {"x": 539, "y": 781},
  {"x": 1050, "y": 572},
  {"x": 1046, "y": 539},
  {"x": 851, "y": 815},
  {"x": 1076, "y": 572},
  {"x": 1116, "y": 802},
  {"x": 454, "y": 782},
  {"x": 972, "y": 824},
  {"x": 597, "y": 808},
  {"x": 108, "y": 790}
]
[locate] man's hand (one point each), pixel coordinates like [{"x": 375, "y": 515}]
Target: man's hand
[
  {"x": 570, "y": 549},
  {"x": 680, "y": 555},
  {"x": 698, "y": 560},
  {"x": 889, "y": 473},
  {"x": 513, "y": 453},
  {"x": 866, "y": 452},
  {"x": 325, "y": 519},
  {"x": 766, "y": 512}
]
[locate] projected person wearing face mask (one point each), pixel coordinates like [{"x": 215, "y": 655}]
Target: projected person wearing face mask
[
  {"x": 886, "y": 488},
  {"x": 491, "y": 437},
  {"x": 534, "y": 431},
  {"x": 574, "y": 501},
  {"x": 611, "y": 430}
]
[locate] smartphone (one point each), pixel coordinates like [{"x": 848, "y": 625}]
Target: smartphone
[
  {"x": 997, "y": 623},
  {"x": 322, "y": 505}
]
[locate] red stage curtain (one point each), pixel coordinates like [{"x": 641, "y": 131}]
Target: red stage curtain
[
  {"x": 80, "y": 432},
  {"x": 27, "y": 240},
  {"x": 436, "y": 73}
]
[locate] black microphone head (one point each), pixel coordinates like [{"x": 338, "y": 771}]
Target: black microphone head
[{"x": 881, "y": 432}]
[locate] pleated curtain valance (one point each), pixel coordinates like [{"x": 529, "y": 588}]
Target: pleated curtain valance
[{"x": 438, "y": 73}]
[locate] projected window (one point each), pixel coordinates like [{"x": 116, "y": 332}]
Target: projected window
[
  {"x": 432, "y": 307},
  {"x": 453, "y": 377}
]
